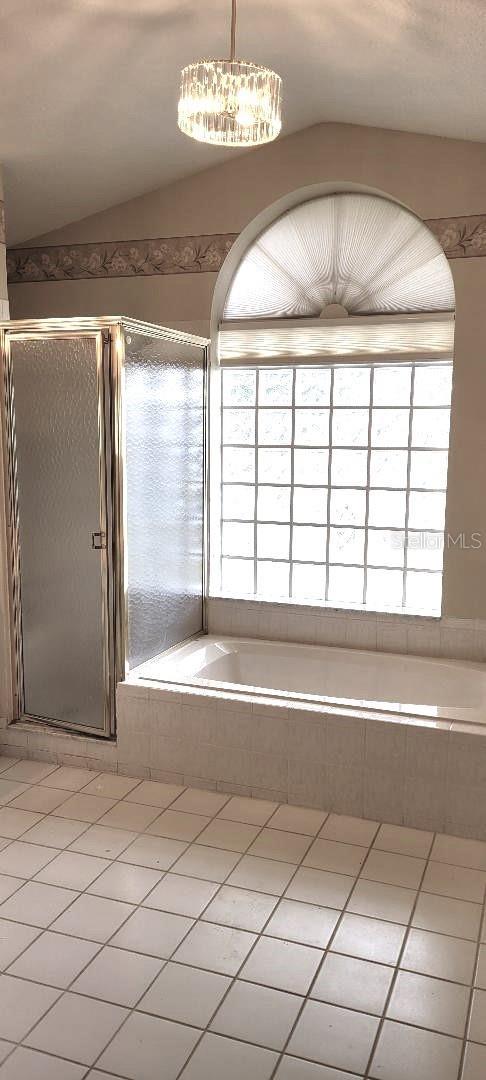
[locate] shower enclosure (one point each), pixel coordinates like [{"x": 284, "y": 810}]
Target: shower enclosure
[{"x": 104, "y": 433}]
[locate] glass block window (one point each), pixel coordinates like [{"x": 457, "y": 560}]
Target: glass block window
[{"x": 333, "y": 484}]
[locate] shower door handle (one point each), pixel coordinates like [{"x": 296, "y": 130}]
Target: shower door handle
[{"x": 98, "y": 540}]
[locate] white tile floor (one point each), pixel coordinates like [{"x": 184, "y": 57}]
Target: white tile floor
[{"x": 149, "y": 932}]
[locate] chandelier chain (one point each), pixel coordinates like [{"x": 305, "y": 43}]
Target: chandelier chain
[
  {"x": 230, "y": 102},
  {"x": 233, "y": 31}
]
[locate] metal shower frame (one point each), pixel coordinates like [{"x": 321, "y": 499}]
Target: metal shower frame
[{"x": 109, "y": 334}]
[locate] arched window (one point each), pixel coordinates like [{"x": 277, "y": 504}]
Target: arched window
[{"x": 332, "y": 399}]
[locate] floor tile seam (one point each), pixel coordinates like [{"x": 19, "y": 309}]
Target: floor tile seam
[
  {"x": 28, "y": 783},
  {"x": 30, "y": 810},
  {"x": 23, "y": 881},
  {"x": 143, "y": 904},
  {"x": 114, "y": 860},
  {"x": 449, "y": 896},
  {"x": 397, "y": 967},
  {"x": 111, "y": 857},
  {"x": 380, "y": 881},
  {"x": 454, "y": 866},
  {"x": 7, "y": 800},
  {"x": 154, "y": 956},
  {"x": 52, "y": 986},
  {"x": 368, "y": 821},
  {"x": 33, "y": 877},
  {"x": 372, "y": 850},
  {"x": 41, "y": 815},
  {"x": 49, "y": 1054},
  {"x": 170, "y": 958},
  {"x": 329, "y": 949},
  {"x": 459, "y": 866},
  {"x": 313, "y": 837},
  {"x": 173, "y": 869},
  {"x": 79, "y": 893},
  {"x": 391, "y": 850},
  {"x": 163, "y": 836},
  {"x": 420, "y": 889},
  {"x": 41, "y": 1019},
  {"x": 141, "y": 832},
  {"x": 316, "y": 973},
  {"x": 207, "y": 1030},
  {"x": 234, "y": 978},
  {"x": 48, "y": 928},
  {"x": 187, "y": 787},
  {"x": 5, "y": 971},
  {"x": 329, "y": 1064},
  {"x": 114, "y": 799},
  {"x": 391, "y": 967},
  {"x": 77, "y": 937},
  {"x": 482, "y": 923},
  {"x": 346, "y": 1072},
  {"x": 170, "y": 806},
  {"x": 267, "y": 824},
  {"x": 144, "y": 806},
  {"x": 46, "y": 1054},
  {"x": 220, "y": 884},
  {"x": 87, "y": 825},
  {"x": 85, "y": 768},
  {"x": 11, "y": 762},
  {"x": 139, "y": 781},
  {"x": 263, "y": 858},
  {"x": 238, "y": 821},
  {"x": 261, "y": 828}
]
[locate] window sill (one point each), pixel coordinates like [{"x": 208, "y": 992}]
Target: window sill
[{"x": 321, "y": 607}]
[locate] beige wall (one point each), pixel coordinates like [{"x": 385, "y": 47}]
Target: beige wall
[
  {"x": 4, "y": 309},
  {"x": 435, "y": 177}
]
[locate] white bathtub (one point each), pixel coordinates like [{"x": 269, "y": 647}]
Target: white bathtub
[{"x": 354, "y": 679}]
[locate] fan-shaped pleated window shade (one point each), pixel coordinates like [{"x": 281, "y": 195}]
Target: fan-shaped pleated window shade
[{"x": 362, "y": 251}]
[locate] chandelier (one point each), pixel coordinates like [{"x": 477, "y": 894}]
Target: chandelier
[{"x": 230, "y": 102}]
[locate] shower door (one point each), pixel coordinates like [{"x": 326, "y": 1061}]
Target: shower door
[{"x": 57, "y": 403}]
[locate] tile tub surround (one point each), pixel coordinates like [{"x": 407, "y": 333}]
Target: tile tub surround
[
  {"x": 407, "y": 772},
  {"x": 273, "y": 940},
  {"x": 447, "y": 637}
]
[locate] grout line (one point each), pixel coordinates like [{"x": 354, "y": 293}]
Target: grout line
[
  {"x": 258, "y": 935},
  {"x": 482, "y": 924},
  {"x": 321, "y": 964},
  {"x": 398, "y": 965},
  {"x": 193, "y": 924}
]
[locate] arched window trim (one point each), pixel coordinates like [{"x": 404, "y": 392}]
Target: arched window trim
[{"x": 263, "y": 343}]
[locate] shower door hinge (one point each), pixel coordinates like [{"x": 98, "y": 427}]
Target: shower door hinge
[{"x": 98, "y": 540}]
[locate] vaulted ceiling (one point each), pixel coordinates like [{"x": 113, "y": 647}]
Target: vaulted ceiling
[{"x": 88, "y": 88}]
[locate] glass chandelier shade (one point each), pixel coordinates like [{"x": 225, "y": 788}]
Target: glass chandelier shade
[{"x": 230, "y": 102}]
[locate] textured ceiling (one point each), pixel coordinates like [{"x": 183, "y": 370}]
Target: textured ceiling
[{"x": 88, "y": 88}]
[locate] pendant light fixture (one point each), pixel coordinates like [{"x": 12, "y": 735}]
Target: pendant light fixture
[{"x": 230, "y": 102}]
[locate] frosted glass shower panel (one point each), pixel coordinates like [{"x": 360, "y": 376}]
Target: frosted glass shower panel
[
  {"x": 163, "y": 414},
  {"x": 56, "y": 398}
]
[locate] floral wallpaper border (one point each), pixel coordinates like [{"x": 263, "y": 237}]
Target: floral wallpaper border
[
  {"x": 460, "y": 237},
  {"x": 123, "y": 258}
]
